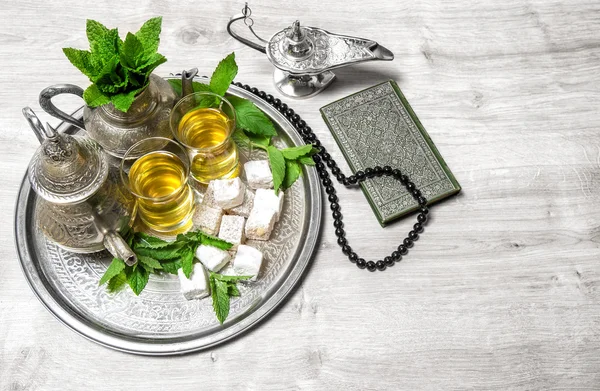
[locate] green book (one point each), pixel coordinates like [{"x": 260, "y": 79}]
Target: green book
[{"x": 377, "y": 127}]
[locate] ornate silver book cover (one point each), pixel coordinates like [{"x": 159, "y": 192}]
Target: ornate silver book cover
[{"x": 377, "y": 127}]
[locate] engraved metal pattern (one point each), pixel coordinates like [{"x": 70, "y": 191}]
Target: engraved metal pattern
[
  {"x": 76, "y": 227},
  {"x": 69, "y": 181},
  {"x": 329, "y": 51},
  {"x": 374, "y": 128},
  {"x": 160, "y": 321},
  {"x": 148, "y": 116}
]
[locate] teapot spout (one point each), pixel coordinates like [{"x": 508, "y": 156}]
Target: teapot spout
[
  {"x": 381, "y": 53},
  {"x": 117, "y": 246},
  {"x": 186, "y": 81}
]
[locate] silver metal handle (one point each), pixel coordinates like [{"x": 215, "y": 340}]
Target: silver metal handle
[
  {"x": 46, "y": 102},
  {"x": 248, "y": 21}
]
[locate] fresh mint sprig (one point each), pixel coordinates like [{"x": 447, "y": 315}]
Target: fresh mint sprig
[
  {"x": 118, "y": 69},
  {"x": 155, "y": 255},
  {"x": 158, "y": 255},
  {"x": 222, "y": 288}
]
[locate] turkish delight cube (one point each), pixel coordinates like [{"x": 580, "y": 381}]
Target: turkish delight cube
[
  {"x": 258, "y": 174},
  {"x": 209, "y": 196},
  {"x": 260, "y": 223},
  {"x": 232, "y": 229},
  {"x": 228, "y": 193},
  {"x": 247, "y": 261},
  {"x": 267, "y": 199},
  {"x": 195, "y": 287},
  {"x": 213, "y": 258},
  {"x": 246, "y": 207},
  {"x": 208, "y": 219}
]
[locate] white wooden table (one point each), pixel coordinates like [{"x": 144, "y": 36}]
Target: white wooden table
[{"x": 501, "y": 292}]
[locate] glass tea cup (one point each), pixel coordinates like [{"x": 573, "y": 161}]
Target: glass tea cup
[
  {"x": 156, "y": 172},
  {"x": 204, "y": 122}
]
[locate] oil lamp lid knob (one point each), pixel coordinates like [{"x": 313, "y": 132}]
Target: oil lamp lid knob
[
  {"x": 65, "y": 169},
  {"x": 296, "y": 45}
]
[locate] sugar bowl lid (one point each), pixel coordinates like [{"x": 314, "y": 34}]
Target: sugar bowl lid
[{"x": 65, "y": 169}]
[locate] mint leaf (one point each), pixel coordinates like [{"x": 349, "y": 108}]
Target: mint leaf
[
  {"x": 124, "y": 100},
  {"x": 126, "y": 232},
  {"x": 198, "y": 87},
  {"x": 151, "y": 64},
  {"x": 308, "y": 160},
  {"x": 132, "y": 55},
  {"x": 210, "y": 240},
  {"x": 171, "y": 266},
  {"x": 241, "y": 139},
  {"x": 260, "y": 141},
  {"x": 221, "y": 288},
  {"x": 223, "y": 75},
  {"x": 225, "y": 278},
  {"x": 187, "y": 262},
  {"x": 144, "y": 240},
  {"x": 189, "y": 237},
  {"x": 251, "y": 118},
  {"x": 149, "y": 35},
  {"x": 93, "y": 97},
  {"x": 249, "y": 140},
  {"x": 117, "y": 282},
  {"x": 175, "y": 85},
  {"x": 104, "y": 43},
  {"x": 167, "y": 253},
  {"x": 138, "y": 279},
  {"x": 116, "y": 266},
  {"x": 277, "y": 162},
  {"x": 292, "y": 172},
  {"x": 82, "y": 60},
  {"x": 294, "y": 153},
  {"x": 220, "y": 298},
  {"x": 111, "y": 78},
  {"x": 232, "y": 290},
  {"x": 149, "y": 261}
]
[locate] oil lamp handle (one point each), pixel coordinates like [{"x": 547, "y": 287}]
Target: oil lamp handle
[
  {"x": 248, "y": 21},
  {"x": 46, "y": 102}
]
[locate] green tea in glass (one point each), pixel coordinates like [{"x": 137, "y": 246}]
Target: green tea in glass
[{"x": 204, "y": 122}]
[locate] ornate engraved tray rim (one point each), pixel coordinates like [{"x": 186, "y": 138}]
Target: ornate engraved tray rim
[{"x": 256, "y": 311}]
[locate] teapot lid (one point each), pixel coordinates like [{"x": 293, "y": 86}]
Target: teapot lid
[{"x": 65, "y": 169}]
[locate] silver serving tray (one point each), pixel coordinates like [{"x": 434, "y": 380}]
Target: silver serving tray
[{"x": 160, "y": 321}]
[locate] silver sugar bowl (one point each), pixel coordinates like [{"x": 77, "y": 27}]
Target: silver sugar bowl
[{"x": 82, "y": 206}]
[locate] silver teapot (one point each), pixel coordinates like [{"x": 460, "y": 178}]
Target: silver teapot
[
  {"x": 304, "y": 56},
  {"x": 113, "y": 129},
  {"x": 82, "y": 206}
]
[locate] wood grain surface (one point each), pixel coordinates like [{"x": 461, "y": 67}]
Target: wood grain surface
[{"x": 502, "y": 291}]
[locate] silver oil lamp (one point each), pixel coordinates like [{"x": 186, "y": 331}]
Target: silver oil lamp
[{"x": 305, "y": 56}]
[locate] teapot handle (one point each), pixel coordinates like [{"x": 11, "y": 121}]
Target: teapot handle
[
  {"x": 46, "y": 102},
  {"x": 248, "y": 21}
]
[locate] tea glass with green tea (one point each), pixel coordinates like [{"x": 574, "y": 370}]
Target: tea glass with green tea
[
  {"x": 204, "y": 122},
  {"x": 156, "y": 171}
]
